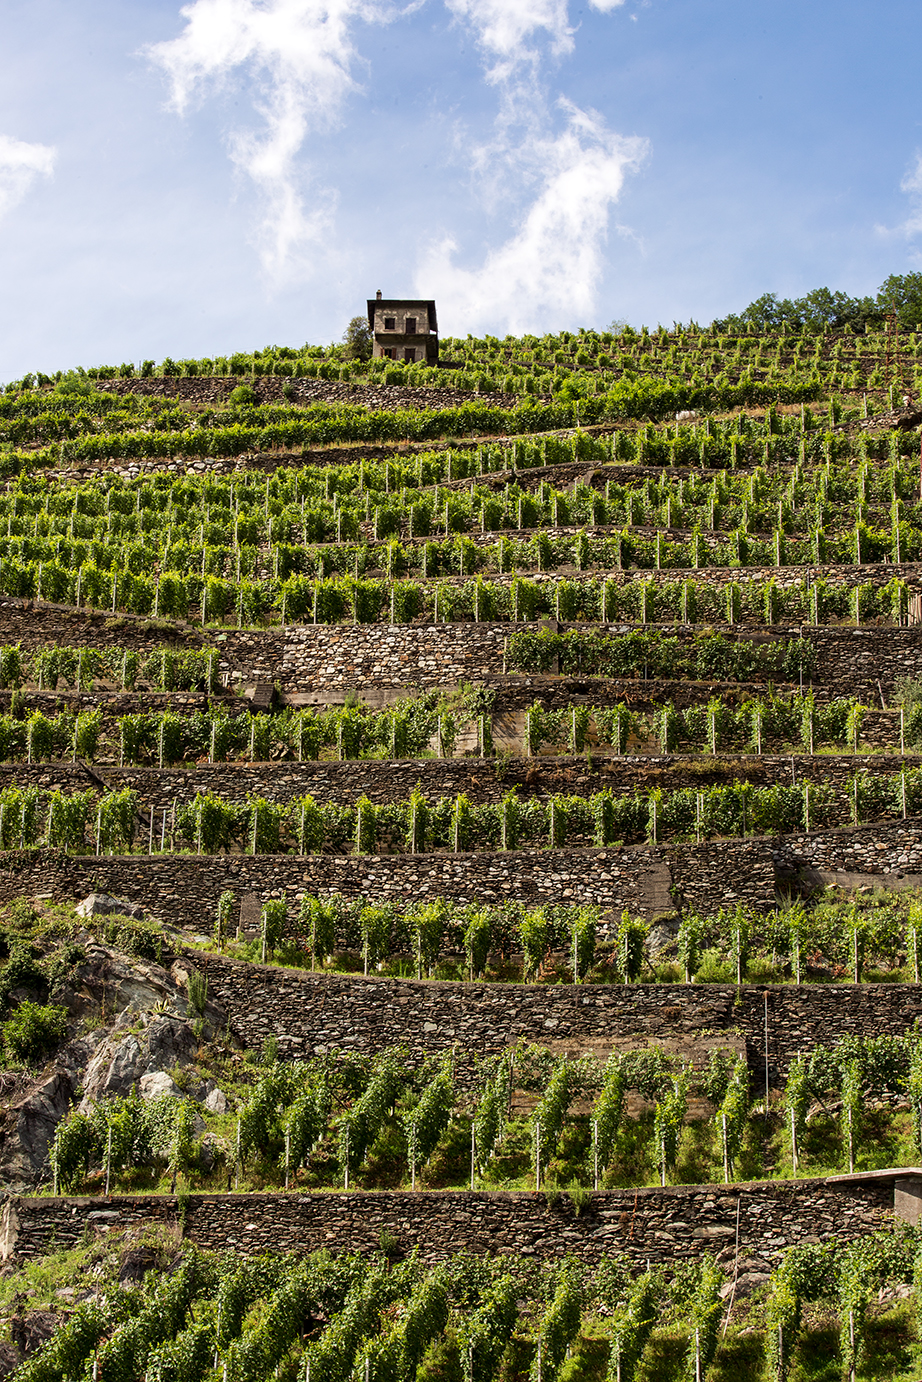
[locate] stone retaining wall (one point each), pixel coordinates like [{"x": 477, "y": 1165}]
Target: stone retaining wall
[
  {"x": 302, "y": 656},
  {"x": 183, "y": 890},
  {"x": 865, "y": 662},
  {"x": 481, "y": 780},
  {"x": 678, "y": 1224},
  {"x": 312, "y": 1013},
  {"x": 214, "y": 389}
]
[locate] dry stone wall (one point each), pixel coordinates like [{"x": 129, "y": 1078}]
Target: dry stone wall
[
  {"x": 309, "y": 1014},
  {"x": 885, "y": 849},
  {"x": 680, "y": 1223},
  {"x": 482, "y": 780},
  {"x": 864, "y": 662},
  {"x": 209, "y": 390},
  {"x": 184, "y": 889}
]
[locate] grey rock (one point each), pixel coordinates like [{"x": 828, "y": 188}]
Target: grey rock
[
  {"x": 662, "y": 936},
  {"x": 101, "y": 904},
  {"x": 28, "y": 1129},
  {"x": 120, "y": 1063},
  {"x": 216, "y": 1102},
  {"x": 157, "y": 1083}
]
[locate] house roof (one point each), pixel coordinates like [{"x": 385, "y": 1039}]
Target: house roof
[{"x": 422, "y": 305}]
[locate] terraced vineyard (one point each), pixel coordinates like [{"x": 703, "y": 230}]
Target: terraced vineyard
[{"x": 509, "y": 777}]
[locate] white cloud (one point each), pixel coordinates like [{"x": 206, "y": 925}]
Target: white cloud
[
  {"x": 563, "y": 184},
  {"x": 20, "y": 165},
  {"x": 912, "y": 186},
  {"x": 504, "y": 26},
  {"x": 552, "y": 263},
  {"x": 303, "y": 54},
  {"x": 302, "y": 58}
]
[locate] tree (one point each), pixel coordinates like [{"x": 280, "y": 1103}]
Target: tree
[
  {"x": 358, "y": 339},
  {"x": 902, "y": 293}
]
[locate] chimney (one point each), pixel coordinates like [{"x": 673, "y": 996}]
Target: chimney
[{"x": 378, "y": 294}]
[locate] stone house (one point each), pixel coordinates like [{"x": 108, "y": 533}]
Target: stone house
[{"x": 404, "y": 329}]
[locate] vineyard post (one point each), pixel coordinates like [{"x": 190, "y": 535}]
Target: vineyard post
[
  {"x": 346, "y": 1161},
  {"x": 903, "y": 791},
  {"x": 237, "y": 1159},
  {"x": 163, "y": 830},
  {"x": 108, "y": 1157},
  {"x": 287, "y": 1153},
  {"x": 595, "y": 1154},
  {"x": 98, "y": 826},
  {"x": 902, "y": 733},
  {"x": 723, "y": 1130},
  {"x": 473, "y": 1151},
  {"x": 765, "y": 995},
  {"x": 537, "y": 1153}
]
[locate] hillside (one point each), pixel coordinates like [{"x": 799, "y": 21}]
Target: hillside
[{"x": 461, "y": 862}]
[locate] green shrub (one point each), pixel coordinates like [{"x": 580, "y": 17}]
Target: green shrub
[
  {"x": 242, "y": 396},
  {"x": 34, "y": 1031}
]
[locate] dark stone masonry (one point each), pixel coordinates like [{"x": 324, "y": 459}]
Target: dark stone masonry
[
  {"x": 679, "y": 1223},
  {"x": 311, "y": 1013},
  {"x": 330, "y": 658}
]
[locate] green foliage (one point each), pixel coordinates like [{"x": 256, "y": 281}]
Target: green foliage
[
  {"x": 608, "y": 1111},
  {"x": 535, "y": 936},
  {"x": 359, "y": 1127},
  {"x": 704, "y": 1318},
  {"x": 551, "y": 1113},
  {"x": 33, "y": 1032},
  {"x": 490, "y": 1111},
  {"x": 558, "y": 1328},
  {"x": 425, "y": 1124},
  {"x": 484, "y": 1335},
  {"x": 632, "y": 1326},
  {"x": 668, "y": 1121},
  {"x": 478, "y": 936},
  {"x": 632, "y": 936}
]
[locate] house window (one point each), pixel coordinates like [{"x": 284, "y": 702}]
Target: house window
[
  {"x": 390, "y": 353},
  {"x": 390, "y": 323},
  {"x": 411, "y": 326},
  {"x": 409, "y": 356}
]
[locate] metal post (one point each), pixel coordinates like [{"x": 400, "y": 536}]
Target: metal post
[
  {"x": 595, "y": 1154},
  {"x": 766, "y": 1052}
]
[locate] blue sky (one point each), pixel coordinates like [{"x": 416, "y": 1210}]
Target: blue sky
[{"x": 232, "y": 173}]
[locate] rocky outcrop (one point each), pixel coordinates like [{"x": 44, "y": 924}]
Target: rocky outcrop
[
  {"x": 123, "y": 1059},
  {"x": 151, "y": 1034}
]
